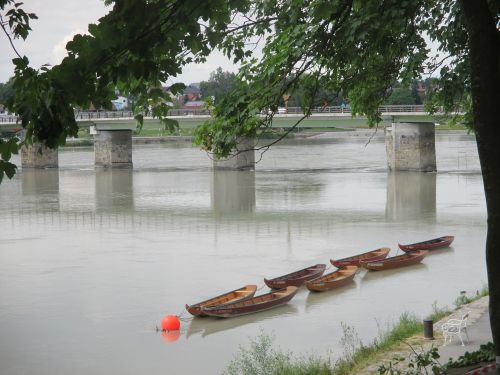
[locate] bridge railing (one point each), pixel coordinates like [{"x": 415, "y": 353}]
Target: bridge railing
[
  {"x": 83, "y": 115},
  {"x": 8, "y": 118},
  {"x": 289, "y": 110},
  {"x": 401, "y": 108}
]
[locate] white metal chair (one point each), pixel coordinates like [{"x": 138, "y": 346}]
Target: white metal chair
[{"x": 455, "y": 327}]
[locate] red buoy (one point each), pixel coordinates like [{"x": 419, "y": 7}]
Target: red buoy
[{"x": 170, "y": 323}]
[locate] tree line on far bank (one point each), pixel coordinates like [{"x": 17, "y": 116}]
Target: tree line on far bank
[{"x": 415, "y": 92}]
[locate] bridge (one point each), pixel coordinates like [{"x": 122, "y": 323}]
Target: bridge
[{"x": 410, "y": 133}]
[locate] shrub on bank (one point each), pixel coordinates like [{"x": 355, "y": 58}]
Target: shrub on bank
[{"x": 262, "y": 359}]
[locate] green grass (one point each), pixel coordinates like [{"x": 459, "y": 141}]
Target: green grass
[
  {"x": 438, "y": 313},
  {"x": 262, "y": 359},
  {"x": 326, "y": 130},
  {"x": 357, "y": 355},
  {"x": 159, "y": 132},
  {"x": 407, "y": 326},
  {"x": 464, "y": 300},
  {"x": 447, "y": 127}
]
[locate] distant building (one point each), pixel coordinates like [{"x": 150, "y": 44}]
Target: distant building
[
  {"x": 189, "y": 97},
  {"x": 195, "y": 104},
  {"x": 191, "y": 93}
]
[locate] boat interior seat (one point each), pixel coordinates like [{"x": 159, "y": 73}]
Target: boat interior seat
[{"x": 455, "y": 327}]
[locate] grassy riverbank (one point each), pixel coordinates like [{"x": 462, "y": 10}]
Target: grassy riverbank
[
  {"x": 358, "y": 358},
  {"x": 160, "y": 135}
]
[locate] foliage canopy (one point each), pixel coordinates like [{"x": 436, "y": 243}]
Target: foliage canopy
[{"x": 354, "y": 47}]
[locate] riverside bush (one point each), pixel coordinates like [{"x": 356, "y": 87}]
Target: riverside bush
[
  {"x": 262, "y": 359},
  {"x": 486, "y": 353}
]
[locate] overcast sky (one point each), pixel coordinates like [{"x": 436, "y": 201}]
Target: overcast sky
[{"x": 59, "y": 20}]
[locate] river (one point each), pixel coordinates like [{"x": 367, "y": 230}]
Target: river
[{"x": 91, "y": 260}]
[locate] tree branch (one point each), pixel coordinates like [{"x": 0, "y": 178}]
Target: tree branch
[{"x": 2, "y": 24}]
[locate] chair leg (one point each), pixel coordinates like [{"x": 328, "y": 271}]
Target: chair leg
[
  {"x": 447, "y": 339},
  {"x": 466, "y": 335}
]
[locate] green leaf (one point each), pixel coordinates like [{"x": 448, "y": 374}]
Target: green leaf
[
  {"x": 8, "y": 169},
  {"x": 7, "y": 148},
  {"x": 177, "y": 88}
]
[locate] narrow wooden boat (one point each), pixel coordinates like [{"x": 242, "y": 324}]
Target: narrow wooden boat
[
  {"x": 237, "y": 295},
  {"x": 260, "y": 303},
  {"x": 355, "y": 259},
  {"x": 435, "y": 243},
  {"x": 333, "y": 280},
  {"x": 406, "y": 259},
  {"x": 296, "y": 278}
]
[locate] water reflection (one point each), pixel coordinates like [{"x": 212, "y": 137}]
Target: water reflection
[
  {"x": 102, "y": 277},
  {"x": 210, "y": 326},
  {"x": 381, "y": 276},
  {"x": 114, "y": 188},
  {"x": 40, "y": 187},
  {"x": 411, "y": 195},
  {"x": 233, "y": 191},
  {"x": 170, "y": 336},
  {"x": 318, "y": 299},
  {"x": 40, "y": 181}
]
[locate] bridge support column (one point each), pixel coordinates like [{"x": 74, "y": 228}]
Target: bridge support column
[
  {"x": 411, "y": 147},
  {"x": 113, "y": 148},
  {"x": 39, "y": 156},
  {"x": 243, "y": 157}
]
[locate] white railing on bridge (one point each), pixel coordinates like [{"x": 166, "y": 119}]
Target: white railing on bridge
[
  {"x": 8, "y": 118},
  {"x": 290, "y": 110},
  {"x": 90, "y": 115}
]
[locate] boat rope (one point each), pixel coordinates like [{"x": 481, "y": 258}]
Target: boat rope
[
  {"x": 182, "y": 318},
  {"x": 261, "y": 287}
]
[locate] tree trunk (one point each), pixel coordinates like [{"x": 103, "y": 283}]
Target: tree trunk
[{"x": 484, "y": 54}]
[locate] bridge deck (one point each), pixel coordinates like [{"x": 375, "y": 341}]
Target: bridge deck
[{"x": 328, "y": 117}]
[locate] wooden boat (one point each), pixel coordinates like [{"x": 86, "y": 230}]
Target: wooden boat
[
  {"x": 237, "y": 295},
  {"x": 355, "y": 259},
  {"x": 435, "y": 243},
  {"x": 296, "y": 278},
  {"x": 406, "y": 259},
  {"x": 252, "y": 305},
  {"x": 333, "y": 280}
]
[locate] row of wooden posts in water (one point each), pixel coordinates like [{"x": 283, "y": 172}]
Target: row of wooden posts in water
[{"x": 243, "y": 300}]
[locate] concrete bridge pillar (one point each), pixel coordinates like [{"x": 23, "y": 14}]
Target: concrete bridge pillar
[
  {"x": 38, "y": 155},
  {"x": 113, "y": 148},
  {"x": 411, "y": 146},
  {"x": 243, "y": 157}
]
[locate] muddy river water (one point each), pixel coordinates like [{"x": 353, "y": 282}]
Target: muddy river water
[{"x": 91, "y": 260}]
